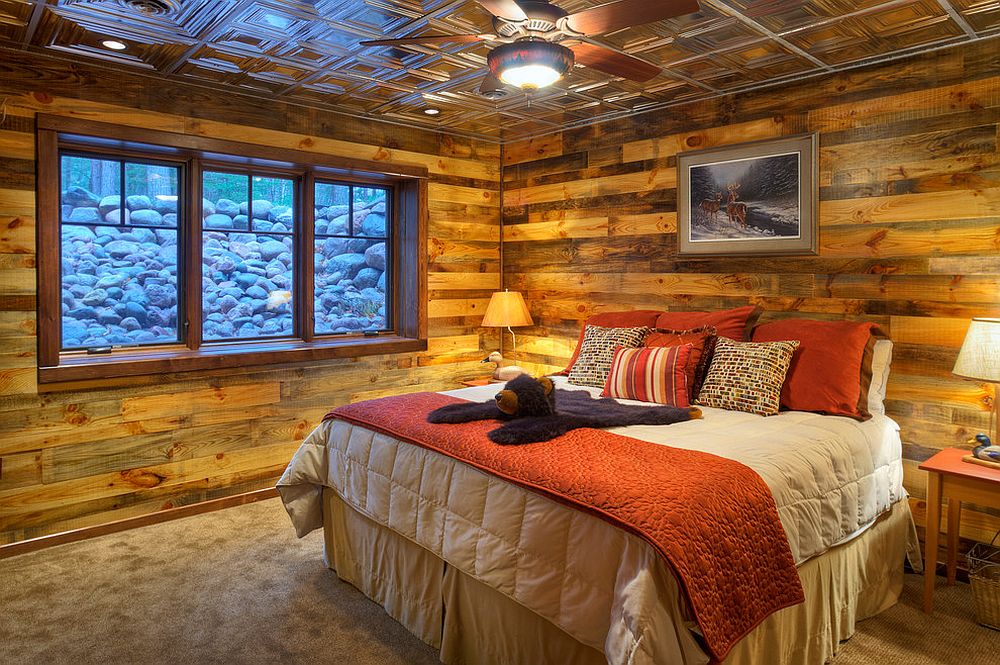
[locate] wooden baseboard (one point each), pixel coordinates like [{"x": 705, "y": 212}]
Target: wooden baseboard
[{"x": 42, "y": 542}]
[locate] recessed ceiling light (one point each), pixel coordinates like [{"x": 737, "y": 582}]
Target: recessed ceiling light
[
  {"x": 114, "y": 45},
  {"x": 432, "y": 111}
]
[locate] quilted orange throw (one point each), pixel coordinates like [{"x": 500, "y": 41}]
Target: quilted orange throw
[{"x": 712, "y": 519}]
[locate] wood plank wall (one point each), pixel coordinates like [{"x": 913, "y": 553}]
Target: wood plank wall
[
  {"x": 909, "y": 227},
  {"x": 88, "y": 456}
]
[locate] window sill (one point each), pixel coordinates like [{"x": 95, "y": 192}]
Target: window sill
[{"x": 136, "y": 363}]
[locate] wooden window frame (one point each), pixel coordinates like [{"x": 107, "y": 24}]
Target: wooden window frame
[{"x": 408, "y": 239}]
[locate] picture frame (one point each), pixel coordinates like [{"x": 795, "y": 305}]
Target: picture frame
[{"x": 749, "y": 199}]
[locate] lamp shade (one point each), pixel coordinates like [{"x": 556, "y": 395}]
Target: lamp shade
[
  {"x": 507, "y": 308},
  {"x": 979, "y": 357}
]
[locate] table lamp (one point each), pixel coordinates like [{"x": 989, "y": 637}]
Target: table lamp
[
  {"x": 508, "y": 310},
  {"x": 979, "y": 359}
]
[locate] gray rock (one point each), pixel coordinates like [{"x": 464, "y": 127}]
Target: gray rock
[
  {"x": 109, "y": 203},
  {"x": 245, "y": 280},
  {"x": 108, "y": 318},
  {"x": 82, "y": 313},
  {"x": 138, "y": 202},
  {"x": 143, "y": 235},
  {"x": 338, "y": 226},
  {"x": 73, "y": 330},
  {"x": 216, "y": 221},
  {"x": 130, "y": 323},
  {"x": 375, "y": 256},
  {"x": 257, "y": 293},
  {"x": 381, "y": 283},
  {"x": 261, "y": 208},
  {"x": 85, "y": 216},
  {"x": 336, "y": 211},
  {"x": 115, "y": 216},
  {"x": 119, "y": 249},
  {"x": 136, "y": 311},
  {"x": 262, "y": 225},
  {"x": 65, "y": 210},
  {"x": 227, "y": 207},
  {"x": 207, "y": 208},
  {"x": 373, "y": 225},
  {"x": 83, "y": 234},
  {"x": 227, "y": 303},
  {"x": 378, "y": 207},
  {"x": 272, "y": 249},
  {"x": 146, "y": 216},
  {"x": 161, "y": 295},
  {"x": 274, "y": 214},
  {"x": 170, "y": 219},
  {"x": 279, "y": 227},
  {"x": 79, "y": 197},
  {"x": 241, "y": 221},
  {"x": 334, "y": 246},
  {"x": 166, "y": 205},
  {"x": 95, "y": 297},
  {"x": 366, "y": 278},
  {"x": 349, "y": 264}
]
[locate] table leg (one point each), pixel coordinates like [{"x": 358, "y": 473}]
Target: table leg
[
  {"x": 931, "y": 538},
  {"x": 954, "y": 517}
]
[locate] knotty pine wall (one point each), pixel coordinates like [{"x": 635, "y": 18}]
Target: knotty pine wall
[
  {"x": 909, "y": 227},
  {"x": 87, "y": 456}
]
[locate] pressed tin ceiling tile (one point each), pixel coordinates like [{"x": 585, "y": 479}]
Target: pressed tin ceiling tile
[{"x": 308, "y": 51}]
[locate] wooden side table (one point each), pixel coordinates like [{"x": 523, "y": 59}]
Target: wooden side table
[{"x": 948, "y": 477}]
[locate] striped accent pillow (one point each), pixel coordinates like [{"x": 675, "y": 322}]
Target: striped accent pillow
[{"x": 650, "y": 374}]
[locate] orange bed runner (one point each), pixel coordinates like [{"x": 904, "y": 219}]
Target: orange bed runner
[{"x": 711, "y": 518}]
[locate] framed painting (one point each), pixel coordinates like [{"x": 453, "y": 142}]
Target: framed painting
[{"x": 749, "y": 199}]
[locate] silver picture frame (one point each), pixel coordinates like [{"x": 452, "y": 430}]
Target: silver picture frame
[{"x": 749, "y": 199}]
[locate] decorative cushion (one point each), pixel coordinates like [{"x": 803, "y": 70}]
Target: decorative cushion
[
  {"x": 832, "y": 369},
  {"x": 732, "y": 323},
  {"x": 703, "y": 343},
  {"x": 650, "y": 374},
  {"x": 640, "y": 318},
  {"x": 747, "y": 376},
  {"x": 598, "y": 350}
]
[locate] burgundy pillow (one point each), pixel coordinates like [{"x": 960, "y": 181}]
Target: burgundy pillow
[
  {"x": 640, "y": 318},
  {"x": 702, "y": 341},
  {"x": 732, "y": 323},
  {"x": 828, "y": 372}
]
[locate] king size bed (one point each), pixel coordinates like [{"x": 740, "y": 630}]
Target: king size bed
[{"x": 492, "y": 569}]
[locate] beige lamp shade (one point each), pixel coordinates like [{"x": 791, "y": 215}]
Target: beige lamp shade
[
  {"x": 979, "y": 357},
  {"x": 507, "y": 308}
]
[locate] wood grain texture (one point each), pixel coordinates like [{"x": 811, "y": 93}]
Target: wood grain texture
[
  {"x": 909, "y": 228},
  {"x": 123, "y": 448}
]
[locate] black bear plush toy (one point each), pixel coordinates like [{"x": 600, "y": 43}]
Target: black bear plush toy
[{"x": 537, "y": 411}]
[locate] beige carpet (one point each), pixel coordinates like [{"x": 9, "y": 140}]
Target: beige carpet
[{"x": 236, "y": 586}]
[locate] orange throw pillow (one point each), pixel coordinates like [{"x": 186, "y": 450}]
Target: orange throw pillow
[
  {"x": 702, "y": 341},
  {"x": 828, "y": 373},
  {"x": 732, "y": 323},
  {"x": 650, "y": 374},
  {"x": 640, "y": 318}
]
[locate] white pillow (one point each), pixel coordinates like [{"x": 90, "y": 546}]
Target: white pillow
[{"x": 881, "y": 359}]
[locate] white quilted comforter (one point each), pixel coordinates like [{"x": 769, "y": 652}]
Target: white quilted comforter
[{"x": 830, "y": 477}]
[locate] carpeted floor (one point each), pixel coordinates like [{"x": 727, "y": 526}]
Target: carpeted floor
[{"x": 236, "y": 586}]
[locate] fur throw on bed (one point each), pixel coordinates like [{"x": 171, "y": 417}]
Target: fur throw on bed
[{"x": 536, "y": 411}]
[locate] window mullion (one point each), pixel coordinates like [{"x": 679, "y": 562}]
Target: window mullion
[
  {"x": 192, "y": 256},
  {"x": 305, "y": 281}
]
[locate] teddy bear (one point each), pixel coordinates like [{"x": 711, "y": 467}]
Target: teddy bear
[{"x": 535, "y": 410}]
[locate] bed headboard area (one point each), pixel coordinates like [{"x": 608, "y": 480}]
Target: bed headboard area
[{"x": 908, "y": 237}]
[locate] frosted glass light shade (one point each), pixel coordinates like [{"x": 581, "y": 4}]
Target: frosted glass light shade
[
  {"x": 530, "y": 77},
  {"x": 979, "y": 357},
  {"x": 507, "y": 308}
]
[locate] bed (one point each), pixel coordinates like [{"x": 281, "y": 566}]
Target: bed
[{"x": 490, "y": 572}]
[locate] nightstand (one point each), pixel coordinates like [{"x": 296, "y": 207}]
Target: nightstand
[
  {"x": 948, "y": 477},
  {"x": 485, "y": 381}
]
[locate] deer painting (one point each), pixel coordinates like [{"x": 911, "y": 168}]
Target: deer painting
[
  {"x": 711, "y": 206},
  {"x": 737, "y": 210}
]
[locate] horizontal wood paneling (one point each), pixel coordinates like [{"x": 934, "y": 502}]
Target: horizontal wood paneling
[
  {"x": 126, "y": 448},
  {"x": 909, "y": 228}
]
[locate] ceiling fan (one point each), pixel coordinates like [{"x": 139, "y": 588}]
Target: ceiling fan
[{"x": 538, "y": 42}]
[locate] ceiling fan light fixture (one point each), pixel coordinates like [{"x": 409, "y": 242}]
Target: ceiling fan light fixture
[
  {"x": 114, "y": 45},
  {"x": 530, "y": 64}
]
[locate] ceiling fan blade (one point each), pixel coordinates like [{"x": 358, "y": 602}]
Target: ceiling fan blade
[
  {"x": 507, "y": 9},
  {"x": 425, "y": 39},
  {"x": 627, "y": 13},
  {"x": 614, "y": 63}
]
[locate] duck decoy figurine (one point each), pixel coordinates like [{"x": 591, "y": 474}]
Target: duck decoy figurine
[
  {"x": 502, "y": 373},
  {"x": 985, "y": 449}
]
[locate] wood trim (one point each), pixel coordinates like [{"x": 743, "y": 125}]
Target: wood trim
[
  {"x": 122, "y": 135},
  {"x": 305, "y": 272},
  {"x": 191, "y": 258},
  {"x": 223, "y": 356},
  {"x": 49, "y": 280},
  {"x": 159, "y": 517}
]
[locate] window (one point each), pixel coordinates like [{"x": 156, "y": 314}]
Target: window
[{"x": 163, "y": 252}]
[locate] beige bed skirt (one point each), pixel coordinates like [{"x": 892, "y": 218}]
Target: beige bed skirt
[{"x": 471, "y": 623}]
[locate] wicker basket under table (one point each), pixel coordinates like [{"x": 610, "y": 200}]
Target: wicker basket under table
[{"x": 984, "y": 576}]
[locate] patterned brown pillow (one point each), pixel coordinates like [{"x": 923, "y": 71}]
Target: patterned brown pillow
[
  {"x": 598, "y": 350},
  {"x": 747, "y": 376}
]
